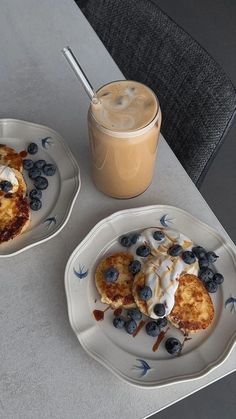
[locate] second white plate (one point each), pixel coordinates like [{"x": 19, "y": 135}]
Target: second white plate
[{"x": 58, "y": 199}]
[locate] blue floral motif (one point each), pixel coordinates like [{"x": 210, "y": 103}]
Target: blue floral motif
[
  {"x": 232, "y": 302},
  {"x": 47, "y": 142},
  {"x": 50, "y": 222},
  {"x": 164, "y": 220},
  {"x": 81, "y": 273},
  {"x": 144, "y": 367}
]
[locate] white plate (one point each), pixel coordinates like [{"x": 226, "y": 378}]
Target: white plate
[
  {"x": 133, "y": 358},
  {"x": 58, "y": 199}
]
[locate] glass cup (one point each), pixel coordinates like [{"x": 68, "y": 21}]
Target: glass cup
[{"x": 124, "y": 131}]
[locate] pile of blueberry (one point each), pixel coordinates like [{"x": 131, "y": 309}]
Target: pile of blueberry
[
  {"x": 129, "y": 323},
  {"x": 206, "y": 259},
  {"x": 153, "y": 328},
  {"x": 207, "y": 274},
  {"x": 35, "y": 171}
]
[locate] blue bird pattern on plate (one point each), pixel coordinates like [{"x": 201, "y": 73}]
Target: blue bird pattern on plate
[
  {"x": 143, "y": 367},
  {"x": 165, "y": 221},
  {"x": 231, "y": 301},
  {"x": 50, "y": 222},
  {"x": 46, "y": 142},
  {"x": 82, "y": 272}
]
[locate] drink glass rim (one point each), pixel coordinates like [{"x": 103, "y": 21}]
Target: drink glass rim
[{"x": 133, "y": 132}]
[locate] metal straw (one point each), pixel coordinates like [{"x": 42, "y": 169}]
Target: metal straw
[{"x": 80, "y": 74}]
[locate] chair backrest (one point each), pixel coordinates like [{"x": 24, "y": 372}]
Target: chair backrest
[{"x": 197, "y": 99}]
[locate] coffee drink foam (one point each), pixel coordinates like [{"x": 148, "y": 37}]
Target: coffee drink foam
[{"x": 125, "y": 106}]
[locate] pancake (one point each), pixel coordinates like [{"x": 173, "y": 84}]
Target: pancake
[
  {"x": 14, "y": 215},
  {"x": 193, "y": 310},
  {"x": 9, "y": 157},
  {"x": 119, "y": 293}
]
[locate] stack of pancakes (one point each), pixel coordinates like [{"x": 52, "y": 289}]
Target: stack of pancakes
[
  {"x": 14, "y": 208},
  {"x": 193, "y": 310}
]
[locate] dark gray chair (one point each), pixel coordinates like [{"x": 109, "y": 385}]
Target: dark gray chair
[{"x": 198, "y": 100}]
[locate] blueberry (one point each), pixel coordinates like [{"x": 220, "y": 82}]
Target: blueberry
[
  {"x": 40, "y": 182},
  {"x": 158, "y": 235},
  {"x": 39, "y": 164},
  {"x": 143, "y": 250},
  {"x": 152, "y": 329},
  {"x": 175, "y": 250},
  {"x": 49, "y": 169},
  {"x": 134, "y": 314},
  {"x": 134, "y": 238},
  {"x": 35, "y": 193},
  {"x": 211, "y": 286},
  {"x": 33, "y": 173},
  {"x": 35, "y": 204},
  {"x": 205, "y": 274},
  {"x": 28, "y": 164},
  {"x": 130, "y": 326},
  {"x": 5, "y": 186},
  {"x": 203, "y": 262},
  {"x": 145, "y": 293},
  {"x": 218, "y": 278},
  {"x": 119, "y": 322},
  {"x": 188, "y": 257},
  {"x": 162, "y": 322},
  {"x": 173, "y": 346},
  {"x": 212, "y": 257},
  {"x": 159, "y": 310},
  {"x": 32, "y": 148},
  {"x": 199, "y": 251},
  {"x": 125, "y": 241},
  {"x": 135, "y": 267},
  {"x": 111, "y": 275}
]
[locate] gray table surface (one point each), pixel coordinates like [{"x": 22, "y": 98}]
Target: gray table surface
[{"x": 44, "y": 372}]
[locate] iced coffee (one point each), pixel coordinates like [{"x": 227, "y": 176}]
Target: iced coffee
[{"x": 124, "y": 130}]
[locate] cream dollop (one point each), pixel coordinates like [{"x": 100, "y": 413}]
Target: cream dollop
[
  {"x": 6, "y": 173},
  {"x": 161, "y": 270}
]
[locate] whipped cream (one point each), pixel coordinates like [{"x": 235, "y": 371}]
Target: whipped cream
[
  {"x": 161, "y": 270},
  {"x": 6, "y": 173}
]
